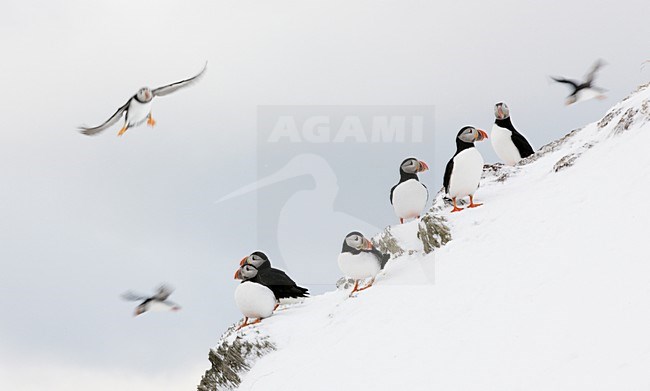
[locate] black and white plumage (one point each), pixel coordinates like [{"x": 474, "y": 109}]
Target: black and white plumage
[
  {"x": 275, "y": 279},
  {"x": 254, "y": 299},
  {"x": 359, "y": 259},
  {"x": 463, "y": 171},
  {"x": 156, "y": 302},
  {"x": 409, "y": 196},
  {"x": 585, "y": 90},
  {"x": 138, "y": 108},
  {"x": 509, "y": 145}
]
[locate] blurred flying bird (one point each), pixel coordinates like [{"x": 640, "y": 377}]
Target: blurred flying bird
[
  {"x": 585, "y": 90},
  {"x": 138, "y": 107},
  {"x": 156, "y": 302}
]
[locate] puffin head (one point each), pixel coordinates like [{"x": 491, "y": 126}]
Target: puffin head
[
  {"x": 413, "y": 166},
  {"x": 139, "y": 310},
  {"x": 356, "y": 241},
  {"x": 470, "y": 134},
  {"x": 501, "y": 110},
  {"x": 246, "y": 272},
  {"x": 256, "y": 259},
  {"x": 144, "y": 94}
]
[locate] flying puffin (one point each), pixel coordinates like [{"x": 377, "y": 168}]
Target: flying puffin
[
  {"x": 359, "y": 260},
  {"x": 279, "y": 282},
  {"x": 585, "y": 90},
  {"x": 508, "y": 144},
  {"x": 157, "y": 302},
  {"x": 409, "y": 196},
  {"x": 254, "y": 299},
  {"x": 463, "y": 172},
  {"x": 138, "y": 107}
]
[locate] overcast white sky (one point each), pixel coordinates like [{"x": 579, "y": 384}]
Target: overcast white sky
[{"x": 83, "y": 219}]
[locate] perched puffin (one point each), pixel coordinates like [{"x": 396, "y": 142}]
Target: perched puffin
[
  {"x": 157, "y": 302},
  {"x": 585, "y": 90},
  {"x": 359, "y": 260},
  {"x": 463, "y": 172},
  {"x": 138, "y": 107},
  {"x": 508, "y": 144},
  {"x": 409, "y": 196},
  {"x": 278, "y": 281},
  {"x": 254, "y": 300}
]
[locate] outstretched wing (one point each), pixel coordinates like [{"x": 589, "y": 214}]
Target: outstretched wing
[
  {"x": 109, "y": 122},
  {"x": 130, "y": 296},
  {"x": 163, "y": 292},
  {"x": 565, "y": 81},
  {"x": 589, "y": 78},
  {"x": 168, "y": 89}
]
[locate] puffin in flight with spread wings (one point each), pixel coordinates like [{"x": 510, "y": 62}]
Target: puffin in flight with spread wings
[
  {"x": 585, "y": 90},
  {"x": 157, "y": 302},
  {"x": 138, "y": 107}
]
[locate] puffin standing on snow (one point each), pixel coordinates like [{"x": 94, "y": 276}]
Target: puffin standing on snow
[
  {"x": 508, "y": 144},
  {"x": 279, "y": 282},
  {"x": 157, "y": 302},
  {"x": 463, "y": 172},
  {"x": 254, "y": 300},
  {"x": 409, "y": 196},
  {"x": 585, "y": 90},
  {"x": 138, "y": 107},
  {"x": 359, "y": 260}
]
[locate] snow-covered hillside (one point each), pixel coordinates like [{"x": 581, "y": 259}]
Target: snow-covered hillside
[{"x": 544, "y": 287}]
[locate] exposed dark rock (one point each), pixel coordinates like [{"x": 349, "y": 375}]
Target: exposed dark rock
[
  {"x": 433, "y": 232},
  {"x": 231, "y": 358},
  {"x": 387, "y": 243}
]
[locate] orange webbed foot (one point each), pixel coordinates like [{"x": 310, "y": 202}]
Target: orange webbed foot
[
  {"x": 122, "y": 131},
  {"x": 367, "y": 286},
  {"x": 471, "y": 203},
  {"x": 456, "y": 208},
  {"x": 150, "y": 121}
]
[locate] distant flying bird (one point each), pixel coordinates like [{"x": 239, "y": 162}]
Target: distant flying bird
[
  {"x": 585, "y": 90},
  {"x": 138, "y": 107},
  {"x": 157, "y": 302}
]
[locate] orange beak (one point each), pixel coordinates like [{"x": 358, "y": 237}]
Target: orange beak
[
  {"x": 423, "y": 166},
  {"x": 238, "y": 274},
  {"x": 241, "y": 263},
  {"x": 367, "y": 244},
  {"x": 482, "y": 135},
  {"x": 500, "y": 112}
]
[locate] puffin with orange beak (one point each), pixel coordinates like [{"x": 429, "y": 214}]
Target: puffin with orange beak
[
  {"x": 409, "y": 196},
  {"x": 279, "y": 282},
  {"x": 138, "y": 108},
  {"x": 254, "y": 299},
  {"x": 464, "y": 170},
  {"x": 359, "y": 260},
  {"x": 510, "y": 145}
]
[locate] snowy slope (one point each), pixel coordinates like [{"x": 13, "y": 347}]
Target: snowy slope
[{"x": 544, "y": 287}]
